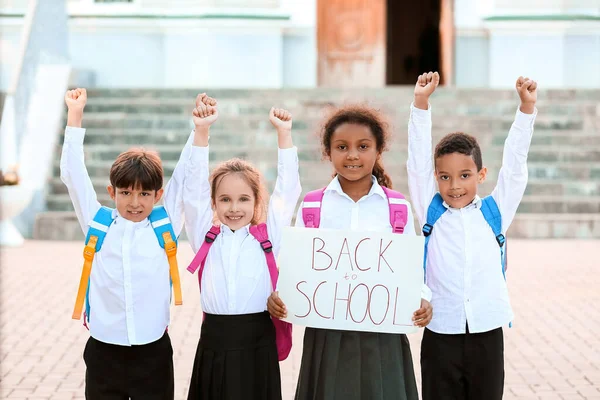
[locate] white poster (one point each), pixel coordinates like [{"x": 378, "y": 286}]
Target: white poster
[{"x": 351, "y": 280}]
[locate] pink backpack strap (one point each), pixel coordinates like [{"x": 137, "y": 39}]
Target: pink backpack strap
[
  {"x": 283, "y": 329},
  {"x": 311, "y": 208},
  {"x": 200, "y": 257},
  {"x": 261, "y": 234},
  {"x": 398, "y": 210}
]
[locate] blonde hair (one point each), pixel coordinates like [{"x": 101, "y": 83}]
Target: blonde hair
[{"x": 252, "y": 177}]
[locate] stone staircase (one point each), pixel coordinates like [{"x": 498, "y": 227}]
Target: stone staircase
[{"x": 562, "y": 198}]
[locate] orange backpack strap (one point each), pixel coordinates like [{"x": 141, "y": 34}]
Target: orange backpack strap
[
  {"x": 166, "y": 238},
  {"x": 93, "y": 242}
]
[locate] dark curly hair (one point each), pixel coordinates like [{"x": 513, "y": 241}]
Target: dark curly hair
[
  {"x": 365, "y": 116},
  {"x": 461, "y": 143}
]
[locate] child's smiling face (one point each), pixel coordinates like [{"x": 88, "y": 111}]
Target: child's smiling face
[
  {"x": 134, "y": 204},
  {"x": 457, "y": 178},
  {"x": 234, "y": 201},
  {"x": 353, "y": 151}
]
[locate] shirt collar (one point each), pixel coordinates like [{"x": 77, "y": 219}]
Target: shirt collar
[
  {"x": 245, "y": 230},
  {"x": 335, "y": 186},
  {"x": 475, "y": 203}
]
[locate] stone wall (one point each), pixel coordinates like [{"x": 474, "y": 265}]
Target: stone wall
[{"x": 562, "y": 198}]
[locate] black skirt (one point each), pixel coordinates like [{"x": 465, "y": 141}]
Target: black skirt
[
  {"x": 236, "y": 359},
  {"x": 348, "y": 365}
]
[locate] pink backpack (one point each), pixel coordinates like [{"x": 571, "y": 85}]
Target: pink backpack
[
  {"x": 283, "y": 330},
  {"x": 311, "y": 209}
]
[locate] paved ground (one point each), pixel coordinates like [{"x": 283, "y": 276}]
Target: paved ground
[{"x": 552, "y": 351}]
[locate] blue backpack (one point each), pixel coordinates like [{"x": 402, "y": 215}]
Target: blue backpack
[
  {"x": 93, "y": 243},
  {"x": 490, "y": 212}
]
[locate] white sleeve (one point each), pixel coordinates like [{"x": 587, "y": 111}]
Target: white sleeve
[
  {"x": 196, "y": 197},
  {"x": 74, "y": 175},
  {"x": 285, "y": 195},
  {"x": 421, "y": 182},
  {"x": 173, "y": 196},
  {"x": 513, "y": 175}
]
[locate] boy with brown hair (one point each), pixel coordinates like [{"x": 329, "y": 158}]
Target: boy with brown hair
[
  {"x": 129, "y": 353},
  {"x": 462, "y": 351}
]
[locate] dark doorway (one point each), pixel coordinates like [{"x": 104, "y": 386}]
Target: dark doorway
[{"x": 413, "y": 40}]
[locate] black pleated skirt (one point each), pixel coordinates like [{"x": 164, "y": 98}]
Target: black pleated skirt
[
  {"x": 348, "y": 365},
  {"x": 236, "y": 359}
]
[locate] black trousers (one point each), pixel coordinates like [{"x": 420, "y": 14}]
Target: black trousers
[
  {"x": 142, "y": 372},
  {"x": 462, "y": 367}
]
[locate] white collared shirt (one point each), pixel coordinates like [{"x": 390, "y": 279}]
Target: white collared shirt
[
  {"x": 369, "y": 213},
  {"x": 129, "y": 285},
  {"x": 236, "y": 278},
  {"x": 464, "y": 269}
]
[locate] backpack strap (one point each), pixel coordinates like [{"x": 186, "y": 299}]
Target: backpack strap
[
  {"x": 200, "y": 256},
  {"x": 311, "y": 208},
  {"x": 492, "y": 216},
  {"x": 398, "y": 210},
  {"x": 93, "y": 243},
  {"x": 434, "y": 212},
  {"x": 167, "y": 240},
  {"x": 261, "y": 234}
]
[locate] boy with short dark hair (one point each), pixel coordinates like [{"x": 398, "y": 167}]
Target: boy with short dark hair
[
  {"x": 129, "y": 353},
  {"x": 462, "y": 352}
]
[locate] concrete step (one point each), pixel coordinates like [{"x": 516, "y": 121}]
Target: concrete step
[
  {"x": 534, "y": 187},
  {"x": 311, "y": 164},
  {"x": 531, "y": 203},
  {"x": 490, "y": 141},
  {"x": 564, "y": 159},
  {"x": 64, "y": 226},
  {"x": 224, "y": 147}
]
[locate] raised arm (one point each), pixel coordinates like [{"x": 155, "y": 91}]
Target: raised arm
[
  {"x": 287, "y": 187},
  {"x": 512, "y": 178},
  {"x": 421, "y": 181},
  {"x": 173, "y": 197},
  {"x": 196, "y": 189},
  {"x": 73, "y": 172}
]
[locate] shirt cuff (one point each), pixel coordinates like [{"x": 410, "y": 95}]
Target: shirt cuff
[
  {"x": 288, "y": 156},
  {"x": 426, "y": 293},
  {"x": 74, "y": 135},
  {"x": 419, "y": 116},
  {"x": 525, "y": 121},
  {"x": 199, "y": 156}
]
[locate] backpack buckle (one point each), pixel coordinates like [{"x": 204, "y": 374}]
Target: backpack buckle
[
  {"x": 501, "y": 240},
  {"x": 398, "y": 227},
  {"x": 427, "y": 228},
  {"x": 90, "y": 248},
  {"x": 266, "y": 246},
  {"x": 210, "y": 237}
]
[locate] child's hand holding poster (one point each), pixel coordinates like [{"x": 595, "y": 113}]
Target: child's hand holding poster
[{"x": 349, "y": 280}]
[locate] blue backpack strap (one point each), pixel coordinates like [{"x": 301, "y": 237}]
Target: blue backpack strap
[
  {"x": 98, "y": 227},
  {"x": 492, "y": 216},
  {"x": 161, "y": 223},
  {"x": 434, "y": 212}
]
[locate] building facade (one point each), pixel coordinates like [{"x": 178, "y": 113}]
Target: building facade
[{"x": 311, "y": 43}]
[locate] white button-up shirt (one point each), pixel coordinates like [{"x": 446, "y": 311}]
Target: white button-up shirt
[
  {"x": 464, "y": 269},
  {"x": 130, "y": 288},
  {"x": 236, "y": 278},
  {"x": 369, "y": 213}
]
